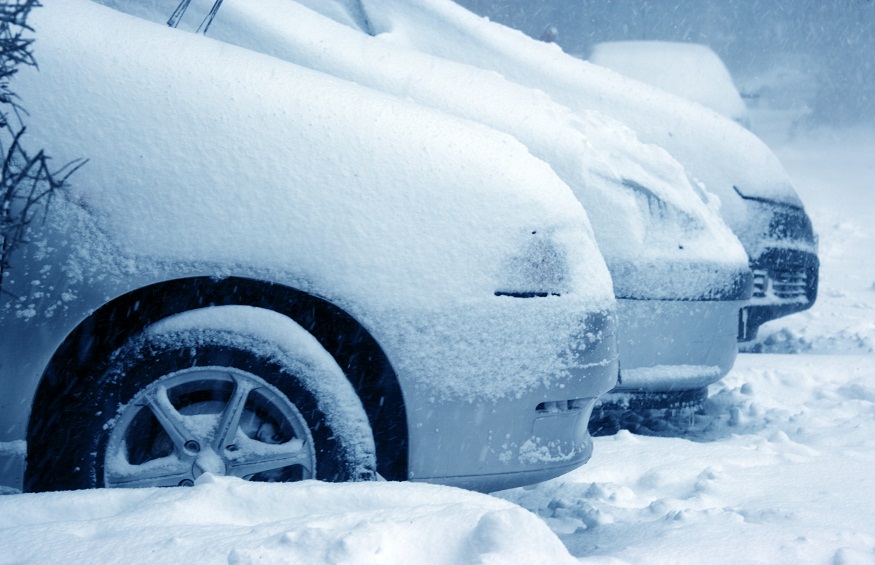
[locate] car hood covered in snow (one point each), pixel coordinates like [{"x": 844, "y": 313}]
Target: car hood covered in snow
[{"x": 652, "y": 227}]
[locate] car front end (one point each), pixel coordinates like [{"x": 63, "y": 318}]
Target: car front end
[
  {"x": 763, "y": 211},
  {"x": 451, "y": 279},
  {"x": 534, "y": 431},
  {"x": 783, "y": 259}
]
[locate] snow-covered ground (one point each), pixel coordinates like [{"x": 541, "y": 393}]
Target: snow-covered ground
[{"x": 778, "y": 468}]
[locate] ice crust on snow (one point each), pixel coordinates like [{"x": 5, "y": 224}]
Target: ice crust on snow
[
  {"x": 646, "y": 215},
  {"x": 713, "y": 149},
  {"x": 408, "y": 218}
]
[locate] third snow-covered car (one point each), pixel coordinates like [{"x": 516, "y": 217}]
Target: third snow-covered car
[
  {"x": 689, "y": 70},
  {"x": 757, "y": 199},
  {"x": 267, "y": 272}
]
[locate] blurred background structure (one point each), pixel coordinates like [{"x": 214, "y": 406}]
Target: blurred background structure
[{"x": 812, "y": 60}]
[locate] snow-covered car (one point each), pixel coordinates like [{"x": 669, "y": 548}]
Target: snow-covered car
[
  {"x": 264, "y": 271},
  {"x": 690, "y": 70},
  {"x": 757, "y": 198},
  {"x": 651, "y": 226}
]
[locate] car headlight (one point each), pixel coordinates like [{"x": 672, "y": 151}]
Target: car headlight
[
  {"x": 785, "y": 222},
  {"x": 540, "y": 269}
]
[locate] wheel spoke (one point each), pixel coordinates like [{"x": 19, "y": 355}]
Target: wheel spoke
[
  {"x": 268, "y": 460},
  {"x": 208, "y": 419},
  {"x": 169, "y": 472},
  {"x": 226, "y": 431},
  {"x": 171, "y": 421}
]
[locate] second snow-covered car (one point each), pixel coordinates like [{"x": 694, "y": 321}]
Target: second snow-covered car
[
  {"x": 267, "y": 272},
  {"x": 679, "y": 273},
  {"x": 757, "y": 199}
]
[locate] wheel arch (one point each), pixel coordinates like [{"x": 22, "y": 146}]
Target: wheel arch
[{"x": 363, "y": 361}]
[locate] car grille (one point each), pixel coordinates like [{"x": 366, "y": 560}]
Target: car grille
[{"x": 786, "y": 283}]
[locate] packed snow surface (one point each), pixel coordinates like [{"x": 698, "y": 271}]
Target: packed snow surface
[{"x": 776, "y": 468}]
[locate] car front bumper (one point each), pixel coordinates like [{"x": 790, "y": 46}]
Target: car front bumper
[
  {"x": 531, "y": 436},
  {"x": 675, "y": 345}
]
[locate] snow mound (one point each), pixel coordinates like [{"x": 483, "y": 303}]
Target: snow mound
[
  {"x": 775, "y": 468},
  {"x": 786, "y": 340},
  {"x": 227, "y": 520}
]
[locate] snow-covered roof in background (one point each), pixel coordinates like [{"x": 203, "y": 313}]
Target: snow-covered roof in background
[
  {"x": 690, "y": 70},
  {"x": 644, "y": 211}
]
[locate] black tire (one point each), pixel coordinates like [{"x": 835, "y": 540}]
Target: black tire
[
  {"x": 124, "y": 414},
  {"x": 646, "y": 413}
]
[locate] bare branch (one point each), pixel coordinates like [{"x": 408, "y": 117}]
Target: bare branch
[{"x": 27, "y": 183}]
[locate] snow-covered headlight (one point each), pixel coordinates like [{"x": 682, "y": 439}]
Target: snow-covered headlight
[
  {"x": 540, "y": 269},
  {"x": 657, "y": 206},
  {"x": 785, "y": 221}
]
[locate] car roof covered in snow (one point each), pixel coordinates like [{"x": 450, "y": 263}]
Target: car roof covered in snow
[{"x": 689, "y": 70}]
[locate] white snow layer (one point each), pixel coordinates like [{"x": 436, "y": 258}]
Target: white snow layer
[
  {"x": 776, "y": 469},
  {"x": 649, "y": 221},
  {"x": 714, "y": 150},
  {"x": 200, "y": 149},
  {"x": 227, "y": 520}
]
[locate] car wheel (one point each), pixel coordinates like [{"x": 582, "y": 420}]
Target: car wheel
[
  {"x": 212, "y": 419},
  {"x": 176, "y": 403},
  {"x": 666, "y": 413}
]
